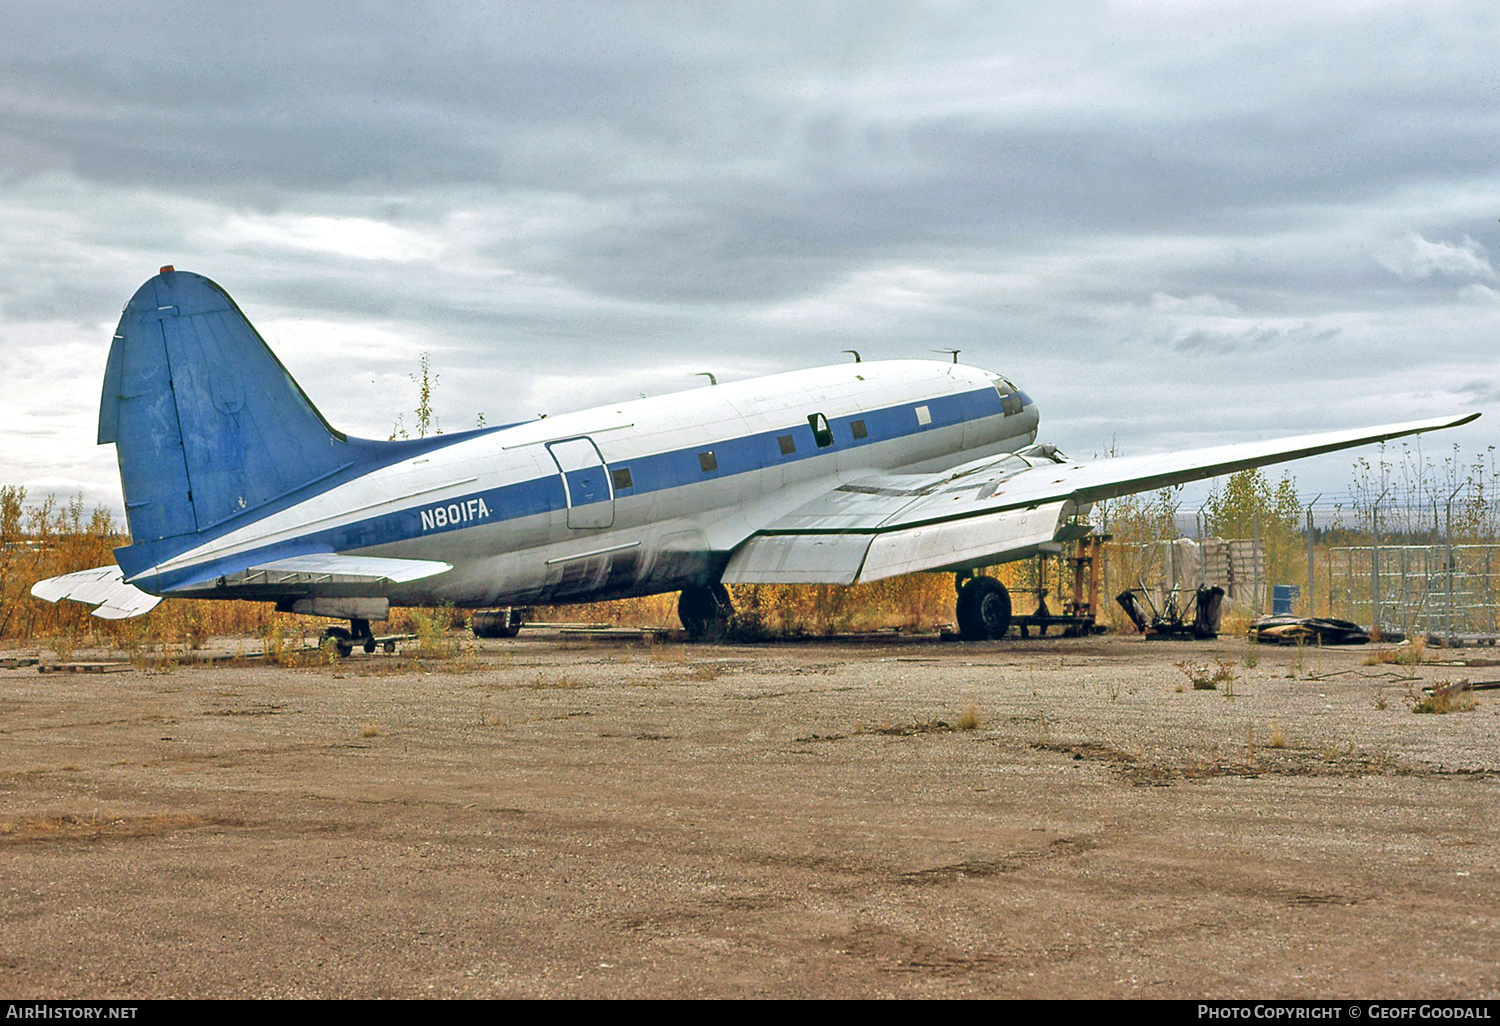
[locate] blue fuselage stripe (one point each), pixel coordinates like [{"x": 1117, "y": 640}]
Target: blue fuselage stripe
[{"x": 654, "y": 472}]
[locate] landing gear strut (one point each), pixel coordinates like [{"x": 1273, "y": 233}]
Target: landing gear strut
[
  {"x": 344, "y": 641},
  {"x": 983, "y": 609},
  {"x": 705, "y": 611}
]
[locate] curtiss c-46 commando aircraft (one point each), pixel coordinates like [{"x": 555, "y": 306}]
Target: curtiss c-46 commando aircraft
[{"x": 237, "y": 488}]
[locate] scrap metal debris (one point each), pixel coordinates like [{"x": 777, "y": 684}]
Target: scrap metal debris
[
  {"x": 1285, "y": 629},
  {"x": 1169, "y": 622}
]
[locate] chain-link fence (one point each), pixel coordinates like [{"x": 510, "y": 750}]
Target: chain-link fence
[{"x": 1439, "y": 590}]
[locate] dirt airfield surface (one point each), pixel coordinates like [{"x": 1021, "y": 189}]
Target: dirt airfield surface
[{"x": 605, "y": 818}]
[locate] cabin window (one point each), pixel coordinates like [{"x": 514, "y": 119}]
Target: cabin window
[
  {"x": 822, "y": 433},
  {"x": 788, "y": 444},
  {"x": 924, "y": 416},
  {"x": 621, "y": 478},
  {"x": 858, "y": 428},
  {"x": 708, "y": 461},
  {"x": 1010, "y": 405}
]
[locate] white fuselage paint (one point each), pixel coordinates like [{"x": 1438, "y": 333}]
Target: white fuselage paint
[{"x": 673, "y": 524}]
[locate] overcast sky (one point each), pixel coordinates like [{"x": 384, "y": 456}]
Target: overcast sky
[{"x": 1173, "y": 223}]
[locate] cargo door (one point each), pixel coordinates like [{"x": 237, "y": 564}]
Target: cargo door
[{"x": 586, "y": 484}]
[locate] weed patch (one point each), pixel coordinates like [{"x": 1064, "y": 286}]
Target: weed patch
[
  {"x": 1208, "y": 678},
  {"x": 1407, "y": 654},
  {"x": 1445, "y": 698},
  {"x": 564, "y": 682},
  {"x": 431, "y": 627}
]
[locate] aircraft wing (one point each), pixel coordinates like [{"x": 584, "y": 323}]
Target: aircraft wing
[
  {"x": 103, "y": 587},
  {"x": 992, "y": 510}
]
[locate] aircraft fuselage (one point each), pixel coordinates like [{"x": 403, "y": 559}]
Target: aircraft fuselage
[{"x": 637, "y": 498}]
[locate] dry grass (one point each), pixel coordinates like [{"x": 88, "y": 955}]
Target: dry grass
[
  {"x": 564, "y": 682},
  {"x": 917, "y": 602},
  {"x": 1208, "y": 678},
  {"x": 1408, "y": 654},
  {"x": 48, "y": 538},
  {"x": 1446, "y": 697},
  {"x": 666, "y": 653}
]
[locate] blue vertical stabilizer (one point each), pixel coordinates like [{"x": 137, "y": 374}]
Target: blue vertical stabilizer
[{"x": 207, "y": 423}]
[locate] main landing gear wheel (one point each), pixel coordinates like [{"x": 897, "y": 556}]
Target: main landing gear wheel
[
  {"x": 983, "y": 609},
  {"x": 705, "y": 611}
]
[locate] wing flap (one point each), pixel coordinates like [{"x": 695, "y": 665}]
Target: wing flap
[
  {"x": 798, "y": 559},
  {"x": 961, "y": 544}
]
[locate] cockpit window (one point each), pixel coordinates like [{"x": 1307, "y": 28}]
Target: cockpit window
[{"x": 1011, "y": 402}]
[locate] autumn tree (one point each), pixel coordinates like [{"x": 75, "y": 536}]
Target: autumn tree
[{"x": 1249, "y": 506}]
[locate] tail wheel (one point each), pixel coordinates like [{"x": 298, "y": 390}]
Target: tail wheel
[
  {"x": 983, "y": 609},
  {"x": 343, "y": 641},
  {"x": 705, "y": 611}
]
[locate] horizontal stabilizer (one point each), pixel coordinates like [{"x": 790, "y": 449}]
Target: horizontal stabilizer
[
  {"x": 306, "y": 573},
  {"x": 103, "y": 587}
]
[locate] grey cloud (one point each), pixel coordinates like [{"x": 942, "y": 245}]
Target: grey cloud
[
  {"x": 1253, "y": 340},
  {"x": 632, "y": 187},
  {"x": 1480, "y": 392}
]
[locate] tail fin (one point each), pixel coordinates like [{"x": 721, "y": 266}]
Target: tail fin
[{"x": 206, "y": 421}]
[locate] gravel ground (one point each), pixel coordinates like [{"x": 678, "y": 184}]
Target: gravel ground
[{"x": 564, "y": 817}]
